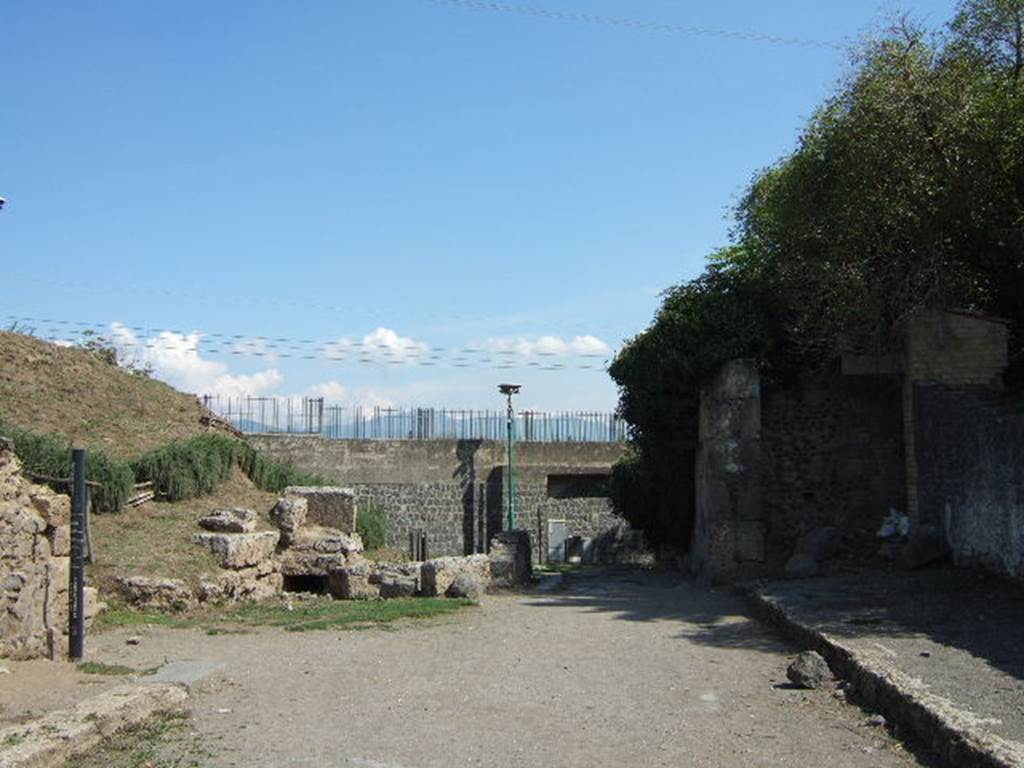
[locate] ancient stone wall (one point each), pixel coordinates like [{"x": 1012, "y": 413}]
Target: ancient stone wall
[
  {"x": 970, "y": 484},
  {"x": 958, "y": 350},
  {"x": 833, "y": 454},
  {"x": 728, "y": 525},
  {"x": 438, "y": 509},
  {"x": 454, "y": 490},
  {"x": 34, "y": 565}
]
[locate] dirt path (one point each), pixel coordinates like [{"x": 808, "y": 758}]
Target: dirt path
[{"x": 625, "y": 669}]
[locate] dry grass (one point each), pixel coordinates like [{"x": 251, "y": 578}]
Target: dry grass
[
  {"x": 155, "y": 539},
  {"x": 74, "y": 393}
]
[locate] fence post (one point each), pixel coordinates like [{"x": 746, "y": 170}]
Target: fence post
[{"x": 76, "y": 586}]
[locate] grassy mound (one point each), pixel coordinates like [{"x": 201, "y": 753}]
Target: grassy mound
[{"x": 80, "y": 396}]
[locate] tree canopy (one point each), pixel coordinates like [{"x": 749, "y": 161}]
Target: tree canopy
[{"x": 906, "y": 190}]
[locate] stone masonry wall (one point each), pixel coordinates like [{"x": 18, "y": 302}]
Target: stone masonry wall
[
  {"x": 34, "y": 564},
  {"x": 970, "y": 454},
  {"x": 454, "y": 489},
  {"x": 955, "y": 349},
  {"x": 436, "y": 508},
  {"x": 728, "y": 524},
  {"x": 833, "y": 455}
]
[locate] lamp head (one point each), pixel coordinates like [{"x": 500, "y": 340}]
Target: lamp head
[{"x": 509, "y": 389}]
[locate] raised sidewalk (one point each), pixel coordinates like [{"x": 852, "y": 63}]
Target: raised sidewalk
[{"x": 939, "y": 652}]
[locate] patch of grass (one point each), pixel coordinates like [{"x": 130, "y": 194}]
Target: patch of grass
[
  {"x": 13, "y": 739},
  {"x": 99, "y": 668},
  {"x": 126, "y": 617},
  {"x": 163, "y": 741},
  {"x": 347, "y": 614},
  {"x": 307, "y": 615}
]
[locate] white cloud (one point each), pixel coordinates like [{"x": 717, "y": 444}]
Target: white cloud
[
  {"x": 336, "y": 393},
  {"x": 549, "y": 346},
  {"x": 381, "y": 345},
  {"x": 175, "y": 358},
  {"x": 329, "y": 390}
]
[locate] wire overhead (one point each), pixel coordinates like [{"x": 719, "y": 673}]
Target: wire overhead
[{"x": 637, "y": 24}]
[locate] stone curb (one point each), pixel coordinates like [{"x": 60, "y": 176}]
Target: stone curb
[
  {"x": 54, "y": 738},
  {"x": 957, "y": 736}
]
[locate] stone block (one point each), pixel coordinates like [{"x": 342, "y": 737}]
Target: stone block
[
  {"x": 398, "y": 579},
  {"x": 237, "y": 520},
  {"x": 54, "y": 508},
  {"x": 310, "y": 563},
  {"x": 353, "y": 582},
  {"x": 240, "y": 550},
  {"x": 326, "y": 541},
  {"x": 437, "y": 575},
  {"x": 510, "y": 558},
  {"x": 327, "y": 506},
  {"x": 247, "y": 584},
  {"x": 156, "y": 593},
  {"x": 289, "y": 514},
  {"x": 60, "y": 540}
]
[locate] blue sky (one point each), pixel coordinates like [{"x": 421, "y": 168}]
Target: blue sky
[{"x": 424, "y": 198}]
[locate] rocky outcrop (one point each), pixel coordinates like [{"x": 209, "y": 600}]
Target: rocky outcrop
[{"x": 34, "y": 565}]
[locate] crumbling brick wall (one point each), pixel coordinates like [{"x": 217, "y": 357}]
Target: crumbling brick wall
[{"x": 34, "y": 564}]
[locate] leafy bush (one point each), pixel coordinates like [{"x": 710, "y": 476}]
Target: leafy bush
[
  {"x": 50, "y": 455},
  {"x": 180, "y": 470},
  {"x": 188, "y": 468},
  {"x": 372, "y": 527},
  {"x": 185, "y": 469},
  {"x": 270, "y": 475}
]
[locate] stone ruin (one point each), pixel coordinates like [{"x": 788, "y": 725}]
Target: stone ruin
[
  {"x": 315, "y": 548},
  {"x": 35, "y": 544}
]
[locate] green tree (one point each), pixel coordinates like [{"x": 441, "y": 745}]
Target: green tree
[{"x": 906, "y": 190}]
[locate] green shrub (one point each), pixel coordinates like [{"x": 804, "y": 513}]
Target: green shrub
[
  {"x": 180, "y": 470},
  {"x": 50, "y": 455},
  {"x": 185, "y": 469},
  {"x": 372, "y": 527},
  {"x": 270, "y": 475}
]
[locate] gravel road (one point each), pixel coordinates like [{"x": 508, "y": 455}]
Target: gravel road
[{"x": 619, "y": 669}]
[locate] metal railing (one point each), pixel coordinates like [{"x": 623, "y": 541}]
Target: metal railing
[{"x": 310, "y": 415}]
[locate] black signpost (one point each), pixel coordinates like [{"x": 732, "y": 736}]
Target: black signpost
[{"x": 76, "y": 591}]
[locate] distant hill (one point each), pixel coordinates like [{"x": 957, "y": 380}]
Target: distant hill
[{"x": 77, "y": 393}]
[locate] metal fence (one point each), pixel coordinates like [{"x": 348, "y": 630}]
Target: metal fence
[{"x": 311, "y": 416}]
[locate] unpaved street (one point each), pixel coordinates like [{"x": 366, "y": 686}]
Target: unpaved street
[{"x": 620, "y": 669}]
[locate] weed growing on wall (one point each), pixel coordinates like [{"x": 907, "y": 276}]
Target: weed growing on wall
[{"x": 372, "y": 526}]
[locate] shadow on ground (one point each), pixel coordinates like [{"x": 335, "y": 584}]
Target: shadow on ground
[
  {"x": 716, "y": 618},
  {"x": 957, "y": 608}
]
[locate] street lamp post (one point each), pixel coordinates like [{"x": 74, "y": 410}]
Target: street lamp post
[{"x": 508, "y": 390}]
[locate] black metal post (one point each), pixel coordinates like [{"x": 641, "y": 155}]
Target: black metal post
[{"x": 76, "y": 587}]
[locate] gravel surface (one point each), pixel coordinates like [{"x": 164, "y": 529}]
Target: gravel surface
[{"x": 619, "y": 669}]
